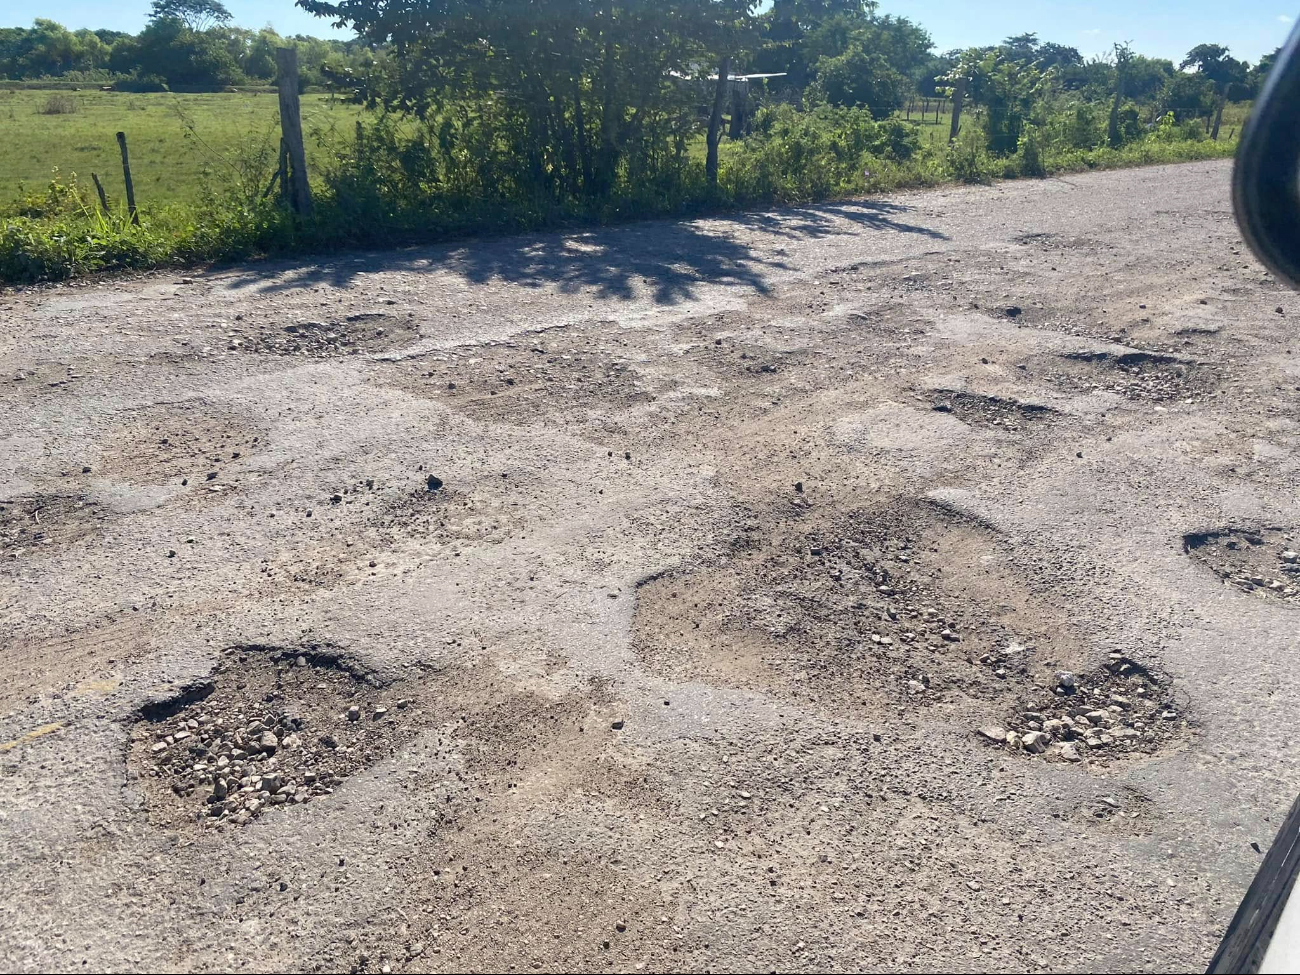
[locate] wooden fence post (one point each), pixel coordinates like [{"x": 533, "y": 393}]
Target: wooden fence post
[
  {"x": 286, "y": 62},
  {"x": 958, "y": 96},
  {"x": 283, "y": 170},
  {"x": 99, "y": 188},
  {"x": 126, "y": 176}
]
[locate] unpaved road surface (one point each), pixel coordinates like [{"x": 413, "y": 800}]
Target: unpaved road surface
[{"x": 684, "y": 596}]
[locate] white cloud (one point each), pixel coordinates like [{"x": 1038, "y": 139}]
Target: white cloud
[
  {"x": 1093, "y": 32},
  {"x": 1284, "y": 19}
]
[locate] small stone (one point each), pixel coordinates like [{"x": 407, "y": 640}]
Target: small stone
[
  {"x": 433, "y": 482},
  {"x": 268, "y": 743},
  {"x": 1066, "y": 681},
  {"x": 1035, "y": 742},
  {"x": 994, "y": 733},
  {"x": 617, "y": 724},
  {"x": 354, "y": 713},
  {"x": 379, "y": 713},
  {"x": 1069, "y": 753}
]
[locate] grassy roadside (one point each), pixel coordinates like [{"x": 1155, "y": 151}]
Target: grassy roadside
[{"x": 60, "y": 233}]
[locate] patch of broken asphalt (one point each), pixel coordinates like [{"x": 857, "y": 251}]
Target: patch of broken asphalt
[{"x": 887, "y": 585}]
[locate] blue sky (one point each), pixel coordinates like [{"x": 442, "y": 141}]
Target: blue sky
[{"x": 1164, "y": 28}]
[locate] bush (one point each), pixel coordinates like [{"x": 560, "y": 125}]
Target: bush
[
  {"x": 970, "y": 163},
  {"x": 1030, "y": 150},
  {"x": 58, "y": 105}
]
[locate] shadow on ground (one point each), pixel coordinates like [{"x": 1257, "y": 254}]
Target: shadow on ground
[{"x": 663, "y": 260}]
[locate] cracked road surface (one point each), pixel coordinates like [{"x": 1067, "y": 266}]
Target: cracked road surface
[{"x": 635, "y": 599}]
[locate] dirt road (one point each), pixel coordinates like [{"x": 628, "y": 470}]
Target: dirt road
[{"x": 895, "y": 585}]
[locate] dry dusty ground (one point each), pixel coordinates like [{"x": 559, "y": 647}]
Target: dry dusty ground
[{"x": 660, "y": 598}]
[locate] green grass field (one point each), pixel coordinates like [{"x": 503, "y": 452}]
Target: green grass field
[{"x": 174, "y": 139}]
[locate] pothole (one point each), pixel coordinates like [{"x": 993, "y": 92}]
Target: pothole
[
  {"x": 350, "y": 335},
  {"x": 1135, "y": 375},
  {"x": 1264, "y": 562},
  {"x": 996, "y": 412},
  {"x": 195, "y": 442},
  {"x": 42, "y": 523},
  {"x": 570, "y": 377},
  {"x": 1121, "y": 708},
  {"x": 738, "y": 361},
  {"x": 271, "y": 727},
  {"x": 913, "y": 602}
]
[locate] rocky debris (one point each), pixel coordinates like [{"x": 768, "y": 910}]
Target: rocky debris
[
  {"x": 853, "y": 607},
  {"x": 1263, "y": 562},
  {"x": 1135, "y": 374},
  {"x": 278, "y": 729},
  {"x": 997, "y": 412},
  {"x": 353, "y": 334},
  {"x": 1008, "y": 661},
  {"x": 1123, "y": 707}
]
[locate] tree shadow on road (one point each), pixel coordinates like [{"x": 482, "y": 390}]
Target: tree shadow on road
[{"x": 663, "y": 261}]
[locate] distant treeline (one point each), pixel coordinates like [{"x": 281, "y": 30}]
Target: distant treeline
[{"x": 171, "y": 51}]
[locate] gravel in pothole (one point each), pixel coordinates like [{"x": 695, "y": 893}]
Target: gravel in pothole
[
  {"x": 1120, "y": 708},
  {"x": 1136, "y": 375},
  {"x": 991, "y": 411},
  {"x": 350, "y": 335},
  {"x": 847, "y": 609},
  {"x": 1264, "y": 562},
  {"x": 273, "y": 727}
]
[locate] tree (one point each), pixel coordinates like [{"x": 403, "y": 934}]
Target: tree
[
  {"x": 168, "y": 50},
  {"x": 1123, "y": 60},
  {"x": 1213, "y": 62},
  {"x": 576, "y": 94},
  {"x": 864, "y": 78},
  {"x": 197, "y": 15},
  {"x": 1187, "y": 96}
]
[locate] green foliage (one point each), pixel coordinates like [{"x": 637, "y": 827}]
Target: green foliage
[
  {"x": 862, "y": 78},
  {"x": 1032, "y": 162},
  {"x": 797, "y": 156},
  {"x": 474, "y": 116},
  {"x": 1187, "y": 96},
  {"x": 197, "y": 15}
]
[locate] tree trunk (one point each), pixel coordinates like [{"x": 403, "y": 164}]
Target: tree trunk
[
  {"x": 1218, "y": 117},
  {"x": 715, "y": 121},
  {"x": 958, "y": 96},
  {"x": 286, "y": 82},
  {"x": 1113, "y": 135}
]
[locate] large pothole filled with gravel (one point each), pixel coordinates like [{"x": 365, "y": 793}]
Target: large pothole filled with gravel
[
  {"x": 272, "y": 727},
  {"x": 1264, "y": 562},
  {"x": 995, "y": 412},
  {"x": 375, "y": 331},
  {"x": 1134, "y": 374},
  {"x": 1120, "y": 708},
  {"x": 913, "y": 602}
]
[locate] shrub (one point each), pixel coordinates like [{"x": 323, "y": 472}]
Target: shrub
[
  {"x": 970, "y": 163},
  {"x": 1030, "y": 151},
  {"x": 58, "y": 105}
]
